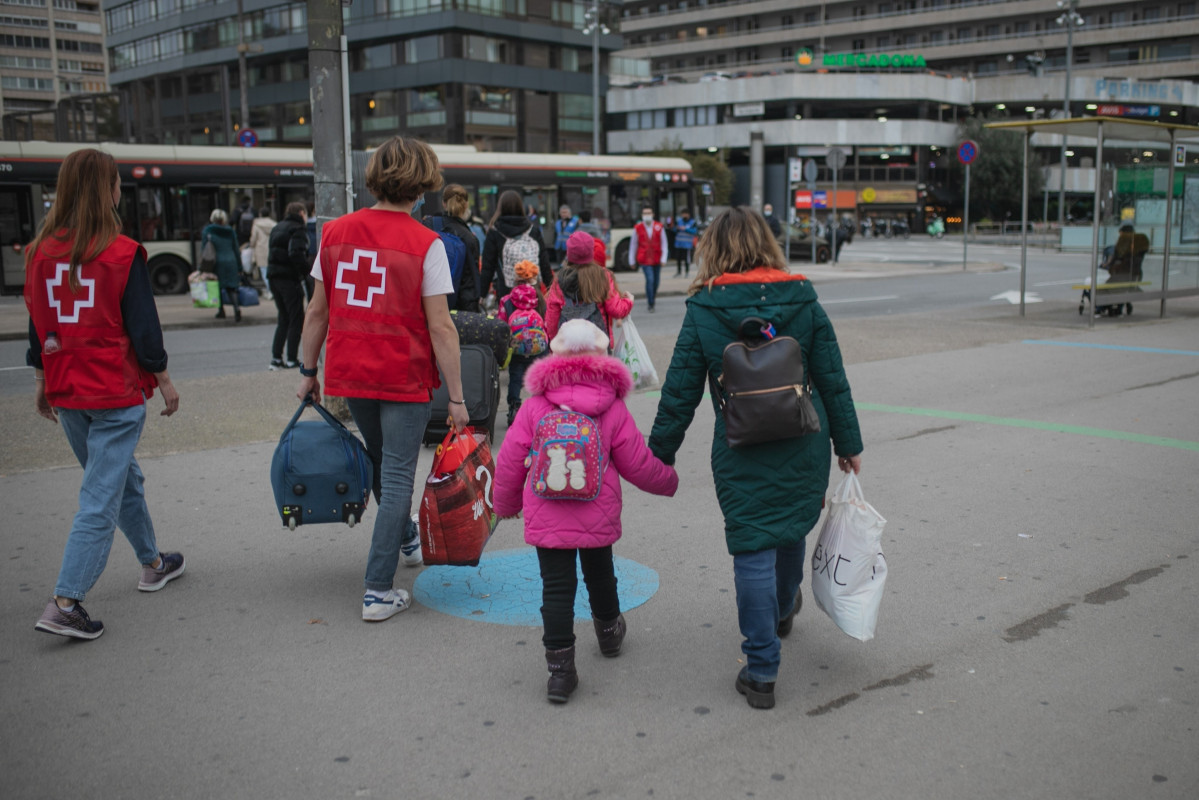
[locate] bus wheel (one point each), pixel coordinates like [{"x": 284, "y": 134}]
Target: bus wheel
[
  {"x": 620, "y": 260},
  {"x": 168, "y": 275}
]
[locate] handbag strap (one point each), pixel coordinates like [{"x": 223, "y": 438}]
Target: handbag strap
[{"x": 328, "y": 417}]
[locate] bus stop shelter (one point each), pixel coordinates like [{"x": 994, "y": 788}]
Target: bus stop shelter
[{"x": 1129, "y": 133}]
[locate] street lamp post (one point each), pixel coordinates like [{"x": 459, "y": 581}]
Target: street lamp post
[
  {"x": 594, "y": 28},
  {"x": 1071, "y": 19}
]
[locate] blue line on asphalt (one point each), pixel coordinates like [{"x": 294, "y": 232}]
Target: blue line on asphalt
[{"x": 1158, "y": 350}]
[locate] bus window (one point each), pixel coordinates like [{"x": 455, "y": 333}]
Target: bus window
[
  {"x": 541, "y": 198},
  {"x": 203, "y": 200},
  {"x": 595, "y": 201},
  {"x": 680, "y": 199},
  {"x": 485, "y": 201},
  {"x": 621, "y": 202},
  {"x": 176, "y": 225},
  {"x": 570, "y": 196},
  {"x": 127, "y": 211},
  {"x": 16, "y": 231},
  {"x": 150, "y": 214}
]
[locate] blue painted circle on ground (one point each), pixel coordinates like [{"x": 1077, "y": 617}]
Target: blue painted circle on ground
[{"x": 505, "y": 588}]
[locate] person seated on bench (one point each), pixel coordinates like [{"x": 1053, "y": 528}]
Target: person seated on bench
[{"x": 1124, "y": 262}]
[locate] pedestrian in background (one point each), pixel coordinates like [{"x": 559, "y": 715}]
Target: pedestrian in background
[
  {"x": 381, "y": 313},
  {"x": 506, "y": 243},
  {"x": 770, "y": 494},
  {"x": 776, "y": 227},
  {"x": 564, "y": 226},
  {"x": 95, "y": 344},
  {"x": 260, "y": 238},
  {"x": 648, "y": 249},
  {"x": 228, "y": 260},
  {"x": 684, "y": 241},
  {"x": 582, "y": 378},
  {"x": 287, "y": 267},
  {"x": 455, "y": 204}
]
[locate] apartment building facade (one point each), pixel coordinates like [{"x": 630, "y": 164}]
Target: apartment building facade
[
  {"x": 50, "y": 50},
  {"x": 505, "y": 75},
  {"x": 887, "y": 81}
]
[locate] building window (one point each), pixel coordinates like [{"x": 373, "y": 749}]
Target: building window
[
  {"x": 426, "y": 107},
  {"x": 858, "y": 45},
  {"x": 422, "y": 49},
  {"x": 570, "y": 59},
  {"x": 1151, "y": 14},
  {"x": 27, "y": 84},
  {"x": 483, "y": 48},
  {"x": 935, "y": 37},
  {"x": 28, "y": 42},
  {"x": 376, "y": 57},
  {"x": 883, "y": 41},
  {"x": 965, "y": 34},
  {"x": 574, "y": 113}
]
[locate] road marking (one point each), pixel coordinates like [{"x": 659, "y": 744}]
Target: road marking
[
  {"x": 6, "y": 369},
  {"x": 860, "y": 299},
  {"x": 1158, "y": 350},
  {"x": 1032, "y": 424}
]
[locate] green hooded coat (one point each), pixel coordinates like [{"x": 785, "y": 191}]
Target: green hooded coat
[{"x": 770, "y": 494}]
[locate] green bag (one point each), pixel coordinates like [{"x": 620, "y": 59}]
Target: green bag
[{"x": 206, "y": 294}]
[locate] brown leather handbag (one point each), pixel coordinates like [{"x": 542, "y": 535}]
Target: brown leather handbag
[{"x": 763, "y": 390}]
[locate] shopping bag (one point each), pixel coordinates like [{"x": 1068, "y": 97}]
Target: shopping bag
[
  {"x": 247, "y": 260},
  {"x": 848, "y": 567},
  {"x": 629, "y": 348},
  {"x": 205, "y": 294},
  {"x": 456, "y": 516},
  {"x": 247, "y": 296}
]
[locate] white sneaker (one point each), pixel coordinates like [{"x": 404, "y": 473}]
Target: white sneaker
[
  {"x": 410, "y": 552},
  {"x": 378, "y": 607}
]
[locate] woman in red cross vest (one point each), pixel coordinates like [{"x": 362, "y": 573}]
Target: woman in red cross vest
[
  {"x": 380, "y": 311},
  {"x": 96, "y": 348}
]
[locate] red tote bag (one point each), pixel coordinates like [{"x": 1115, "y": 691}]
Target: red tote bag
[{"x": 456, "y": 514}]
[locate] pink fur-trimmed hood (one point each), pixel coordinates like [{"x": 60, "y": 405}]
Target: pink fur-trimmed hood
[{"x": 588, "y": 384}]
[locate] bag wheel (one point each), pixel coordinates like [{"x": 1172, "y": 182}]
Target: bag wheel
[
  {"x": 351, "y": 520},
  {"x": 291, "y": 523}
]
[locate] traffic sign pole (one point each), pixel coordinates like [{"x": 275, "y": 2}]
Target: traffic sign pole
[
  {"x": 810, "y": 171},
  {"x": 967, "y": 152},
  {"x": 836, "y": 160}
]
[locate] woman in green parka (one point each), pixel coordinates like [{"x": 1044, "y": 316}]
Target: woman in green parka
[
  {"x": 228, "y": 260},
  {"x": 771, "y": 494}
]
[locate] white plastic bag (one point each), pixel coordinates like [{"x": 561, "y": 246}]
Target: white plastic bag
[
  {"x": 848, "y": 567},
  {"x": 247, "y": 260},
  {"x": 629, "y": 348}
]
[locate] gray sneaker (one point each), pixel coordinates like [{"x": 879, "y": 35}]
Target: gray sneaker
[
  {"x": 154, "y": 579},
  {"x": 410, "y": 544},
  {"x": 74, "y": 623}
]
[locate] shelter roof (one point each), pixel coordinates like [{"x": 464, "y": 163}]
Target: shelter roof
[{"x": 1114, "y": 128}]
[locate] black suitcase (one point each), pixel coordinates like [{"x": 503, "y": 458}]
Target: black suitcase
[
  {"x": 480, "y": 389},
  {"x": 482, "y": 329}
]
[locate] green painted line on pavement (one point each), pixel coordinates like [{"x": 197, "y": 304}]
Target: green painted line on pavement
[{"x": 1032, "y": 424}]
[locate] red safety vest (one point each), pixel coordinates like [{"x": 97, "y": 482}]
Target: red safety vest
[
  {"x": 372, "y": 264},
  {"x": 95, "y": 366},
  {"x": 649, "y": 246}
]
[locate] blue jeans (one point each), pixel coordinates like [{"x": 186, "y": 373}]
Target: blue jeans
[
  {"x": 653, "y": 276},
  {"x": 767, "y": 582},
  {"x": 111, "y": 495},
  {"x": 393, "y": 433}
]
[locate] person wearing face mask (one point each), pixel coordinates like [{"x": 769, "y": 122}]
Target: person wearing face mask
[
  {"x": 684, "y": 241},
  {"x": 648, "y": 250},
  {"x": 771, "y": 220}
]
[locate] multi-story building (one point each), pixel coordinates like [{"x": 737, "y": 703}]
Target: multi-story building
[
  {"x": 50, "y": 50},
  {"x": 498, "y": 74},
  {"x": 887, "y": 81}
]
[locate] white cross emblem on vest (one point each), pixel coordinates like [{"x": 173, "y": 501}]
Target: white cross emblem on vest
[
  {"x": 361, "y": 278},
  {"x": 75, "y": 303}
]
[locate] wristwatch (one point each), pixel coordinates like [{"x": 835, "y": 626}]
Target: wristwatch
[{"x": 306, "y": 372}]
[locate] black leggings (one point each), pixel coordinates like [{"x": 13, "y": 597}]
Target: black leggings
[
  {"x": 289, "y": 302},
  {"x": 560, "y": 581}
]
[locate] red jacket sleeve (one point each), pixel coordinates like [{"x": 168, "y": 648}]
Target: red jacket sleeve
[
  {"x": 553, "y": 310},
  {"x": 616, "y": 307}
]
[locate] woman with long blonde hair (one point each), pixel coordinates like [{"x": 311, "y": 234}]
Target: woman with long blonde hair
[
  {"x": 770, "y": 493},
  {"x": 95, "y": 344}
]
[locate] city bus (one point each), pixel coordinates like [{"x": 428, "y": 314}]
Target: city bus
[{"x": 168, "y": 193}]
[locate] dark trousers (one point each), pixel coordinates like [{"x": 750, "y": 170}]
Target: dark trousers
[
  {"x": 682, "y": 258},
  {"x": 227, "y": 294},
  {"x": 289, "y": 301},
  {"x": 560, "y": 581}
]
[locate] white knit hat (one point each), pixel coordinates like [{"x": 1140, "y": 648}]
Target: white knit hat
[{"x": 579, "y": 336}]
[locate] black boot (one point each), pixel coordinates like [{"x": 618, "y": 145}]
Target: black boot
[
  {"x": 237, "y": 313},
  {"x": 563, "y": 678},
  {"x": 758, "y": 694},
  {"x": 786, "y": 622},
  {"x": 610, "y": 635},
  {"x": 221, "y": 314}
]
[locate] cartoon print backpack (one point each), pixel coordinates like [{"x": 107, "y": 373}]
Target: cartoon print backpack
[
  {"x": 528, "y": 332},
  {"x": 517, "y": 249},
  {"x": 566, "y": 458}
]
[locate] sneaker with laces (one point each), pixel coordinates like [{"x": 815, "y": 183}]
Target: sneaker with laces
[
  {"x": 410, "y": 552},
  {"x": 276, "y": 363},
  {"x": 377, "y": 606},
  {"x": 170, "y": 568},
  {"x": 291, "y": 365},
  {"x": 74, "y": 623}
]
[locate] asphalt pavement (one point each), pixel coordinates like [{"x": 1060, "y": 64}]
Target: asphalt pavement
[{"x": 1037, "y": 638}]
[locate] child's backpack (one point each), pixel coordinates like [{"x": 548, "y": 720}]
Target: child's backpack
[
  {"x": 455, "y": 251},
  {"x": 528, "y": 332},
  {"x": 517, "y": 249},
  {"x": 573, "y": 309},
  {"x": 566, "y": 458}
]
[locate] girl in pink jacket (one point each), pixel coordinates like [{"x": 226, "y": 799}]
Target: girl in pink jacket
[
  {"x": 584, "y": 281},
  {"x": 561, "y": 462}
]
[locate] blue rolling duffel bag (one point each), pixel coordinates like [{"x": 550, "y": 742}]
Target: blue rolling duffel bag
[{"x": 320, "y": 472}]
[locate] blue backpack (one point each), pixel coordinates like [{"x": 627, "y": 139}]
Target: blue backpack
[{"x": 455, "y": 250}]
